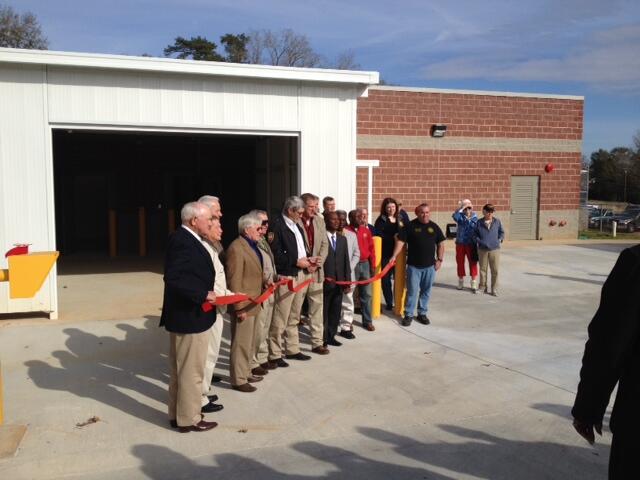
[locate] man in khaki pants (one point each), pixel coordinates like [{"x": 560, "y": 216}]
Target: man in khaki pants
[
  {"x": 244, "y": 274},
  {"x": 260, "y": 364},
  {"x": 488, "y": 235},
  {"x": 188, "y": 279},
  {"x": 315, "y": 235}
]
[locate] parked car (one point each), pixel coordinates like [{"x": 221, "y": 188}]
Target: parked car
[
  {"x": 603, "y": 216},
  {"x": 628, "y": 221}
]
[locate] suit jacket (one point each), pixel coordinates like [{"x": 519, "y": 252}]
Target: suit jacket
[
  {"x": 337, "y": 264},
  {"x": 188, "y": 277},
  {"x": 612, "y": 353},
  {"x": 320, "y": 244},
  {"x": 244, "y": 274},
  {"x": 353, "y": 249},
  {"x": 284, "y": 247}
]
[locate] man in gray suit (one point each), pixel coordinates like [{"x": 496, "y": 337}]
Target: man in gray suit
[{"x": 348, "y": 307}]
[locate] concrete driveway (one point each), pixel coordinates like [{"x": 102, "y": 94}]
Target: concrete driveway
[{"x": 483, "y": 393}]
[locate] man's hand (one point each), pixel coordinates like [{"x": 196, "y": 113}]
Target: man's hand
[
  {"x": 241, "y": 316},
  {"x": 312, "y": 268},
  {"x": 438, "y": 265},
  {"x": 346, "y": 289},
  {"x": 211, "y": 297},
  {"x": 585, "y": 430},
  {"x": 303, "y": 263}
]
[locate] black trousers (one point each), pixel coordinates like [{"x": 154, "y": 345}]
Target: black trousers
[
  {"x": 331, "y": 309},
  {"x": 623, "y": 460}
]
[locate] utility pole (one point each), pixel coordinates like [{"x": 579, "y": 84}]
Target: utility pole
[{"x": 625, "y": 184}]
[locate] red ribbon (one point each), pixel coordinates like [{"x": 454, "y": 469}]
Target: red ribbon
[
  {"x": 231, "y": 299},
  {"x": 378, "y": 276}
]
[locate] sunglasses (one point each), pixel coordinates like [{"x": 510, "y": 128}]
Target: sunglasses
[{"x": 265, "y": 223}]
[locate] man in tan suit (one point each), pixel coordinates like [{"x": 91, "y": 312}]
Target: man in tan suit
[
  {"x": 316, "y": 240},
  {"x": 244, "y": 274}
]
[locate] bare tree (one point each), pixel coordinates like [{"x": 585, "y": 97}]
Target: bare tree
[
  {"x": 347, "y": 61},
  {"x": 20, "y": 31},
  {"x": 285, "y": 48}
]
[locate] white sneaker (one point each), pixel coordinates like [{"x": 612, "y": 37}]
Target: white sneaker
[
  {"x": 474, "y": 286},
  {"x": 460, "y": 283}
]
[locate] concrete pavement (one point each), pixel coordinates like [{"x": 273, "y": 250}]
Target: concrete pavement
[{"x": 483, "y": 392}]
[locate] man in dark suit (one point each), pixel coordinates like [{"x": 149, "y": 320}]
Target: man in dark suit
[
  {"x": 338, "y": 268},
  {"x": 286, "y": 239},
  {"x": 612, "y": 355},
  {"x": 188, "y": 283}
]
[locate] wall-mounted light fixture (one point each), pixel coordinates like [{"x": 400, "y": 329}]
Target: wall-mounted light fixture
[{"x": 438, "y": 130}]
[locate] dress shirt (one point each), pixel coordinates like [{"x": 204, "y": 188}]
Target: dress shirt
[
  {"x": 365, "y": 243},
  {"x": 302, "y": 251},
  {"x": 307, "y": 223},
  {"x": 332, "y": 240},
  {"x": 220, "y": 283}
]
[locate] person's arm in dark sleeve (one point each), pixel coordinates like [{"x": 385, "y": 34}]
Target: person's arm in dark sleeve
[
  {"x": 613, "y": 332},
  {"x": 179, "y": 276}
]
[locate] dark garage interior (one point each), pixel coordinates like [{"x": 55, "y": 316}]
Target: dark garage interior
[{"x": 119, "y": 194}]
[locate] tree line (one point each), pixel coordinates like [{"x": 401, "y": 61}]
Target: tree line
[{"x": 614, "y": 174}]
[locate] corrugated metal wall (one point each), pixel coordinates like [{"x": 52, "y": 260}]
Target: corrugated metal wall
[{"x": 32, "y": 98}]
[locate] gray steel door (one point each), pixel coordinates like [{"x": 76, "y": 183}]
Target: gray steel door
[{"x": 524, "y": 208}]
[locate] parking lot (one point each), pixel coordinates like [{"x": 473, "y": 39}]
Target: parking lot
[{"x": 484, "y": 392}]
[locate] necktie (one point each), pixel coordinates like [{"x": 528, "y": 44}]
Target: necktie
[{"x": 333, "y": 241}]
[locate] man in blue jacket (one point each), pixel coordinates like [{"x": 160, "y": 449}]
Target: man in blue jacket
[{"x": 488, "y": 235}]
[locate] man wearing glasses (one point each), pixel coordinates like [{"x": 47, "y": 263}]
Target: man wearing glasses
[
  {"x": 286, "y": 239},
  {"x": 260, "y": 364}
]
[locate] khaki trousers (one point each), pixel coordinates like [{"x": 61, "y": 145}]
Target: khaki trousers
[
  {"x": 346, "y": 317},
  {"x": 242, "y": 349},
  {"x": 187, "y": 353},
  {"x": 261, "y": 344},
  {"x": 313, "y": 293},
  {"x": 490, "y": 258},
  {"x": 213, "y": 349}
]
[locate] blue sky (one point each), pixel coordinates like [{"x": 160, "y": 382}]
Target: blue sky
[{"x": 572, "y": 47}]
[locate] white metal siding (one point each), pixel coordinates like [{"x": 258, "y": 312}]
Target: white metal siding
[
  {"x": 26, "y": 205},
  {"x": 33, "y": 98}
]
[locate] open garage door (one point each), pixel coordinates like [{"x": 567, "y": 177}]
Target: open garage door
[{"x": 118, "y": 196}]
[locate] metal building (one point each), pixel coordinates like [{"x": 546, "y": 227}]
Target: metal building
[{"x": 98, "y": 152}]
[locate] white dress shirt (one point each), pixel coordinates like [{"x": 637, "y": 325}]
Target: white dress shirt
[{"x": 302, "y": 252}]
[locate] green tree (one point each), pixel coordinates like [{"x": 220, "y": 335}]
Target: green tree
[
  {"x": 195, "y": 48},
  {"x": 20, "y": 31},
  {"x": 236, "y": 47}
]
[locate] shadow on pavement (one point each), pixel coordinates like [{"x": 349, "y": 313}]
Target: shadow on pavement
[
  {"x": 475, "y": 454},
  {"x": 562, "y": 277}
]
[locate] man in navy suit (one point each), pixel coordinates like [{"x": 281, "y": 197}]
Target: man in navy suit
[{"x": 188, "y": 284}]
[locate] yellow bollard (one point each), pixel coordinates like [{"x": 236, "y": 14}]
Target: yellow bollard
[
  {"x": 376, "y": 287},
  {"x": 399, "y": 287},
  {"x": 1, "y": 399}
]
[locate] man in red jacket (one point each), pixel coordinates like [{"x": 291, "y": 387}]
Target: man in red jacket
[{"x": 367, "y": 264}]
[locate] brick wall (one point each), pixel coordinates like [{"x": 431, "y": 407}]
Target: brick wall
[{"x": 488, "y": 139}]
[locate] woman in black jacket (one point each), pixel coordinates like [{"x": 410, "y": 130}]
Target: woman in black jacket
[{"x": 386, "y": 226}]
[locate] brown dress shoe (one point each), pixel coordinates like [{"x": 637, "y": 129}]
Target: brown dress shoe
[
  {"x": 259, "y": 371},
  {"x": 268, "y": 366},
  {"x": 244, "y": 388},
  {"x": 201, "y": 426},
  {"x": 254, "y": 379},
  {"x": 321, "y": 350},
  {"x": 370, "y": 327}
]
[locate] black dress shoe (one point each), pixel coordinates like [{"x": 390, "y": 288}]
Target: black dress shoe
[
  {"x": 216, "y": 379},
  {"x": 278, "y": 363},
  {"x": 406, "y": 321},
  {"x": 268, "y": 366},
  {"x": 298, "y": 356},
  {"x": 211, "y": 408},
  {"x": 388, "y": 307},
  {"x": 259, "y": 371},
  {"x": 201, "y": 426},
  {"x": 212, "y": 398},
  {"x": 347, "y": 334},
  {"x": 334, "y": 343},
  {"x": 423, "y": 319}
]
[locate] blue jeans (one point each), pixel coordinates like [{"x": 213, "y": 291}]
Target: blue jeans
[
  {"x": 419, "y": 282},
  {"x": 363, "y": 272}
]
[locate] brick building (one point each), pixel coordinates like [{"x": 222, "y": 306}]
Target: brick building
[{"x": 521, "y": 152}]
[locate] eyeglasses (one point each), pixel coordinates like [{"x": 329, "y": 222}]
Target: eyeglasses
[{"x": 265, "y": 223}]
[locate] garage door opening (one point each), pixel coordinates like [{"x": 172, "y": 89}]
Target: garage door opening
[{"x": 118, "y": 195}]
